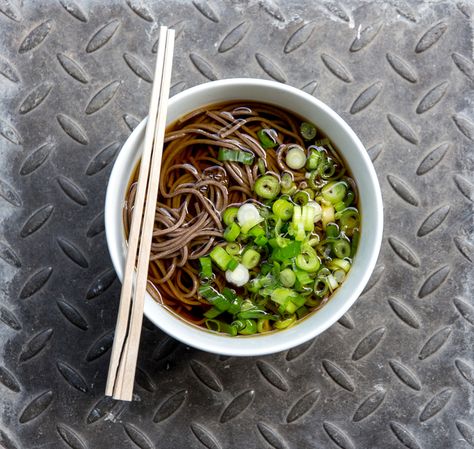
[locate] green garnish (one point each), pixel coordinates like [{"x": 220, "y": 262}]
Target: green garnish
[
  {"x": 283, "y": 209},
  {"x": 221, "y": 257},
  {"x": 295, "y": 157},
  {"x": 227, "y": 154},
  {"x": 308, "y": 131},
  {"x": 232, "y": 232},
  {"x": 268, "y": 138},
  {"x": 250, "y": 258},
  {"x": 267, "y": 187},
  {"x": 206, "y": 267},
  {"x": 229, "y": 215}
]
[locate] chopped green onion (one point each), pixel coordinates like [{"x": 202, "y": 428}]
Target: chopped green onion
[
  {"x": 302, "y": 311},
  {"x": 248, "y": 216},
  {"x": 256, "y": 231},
  {"x": 313, "y": 160},
  {"x": 261, "y": 240},
  {"x": 220, "y": 326},
  {"x": 255, "y": 314},
  {"x": 348, "y": 219},
  {"x": 287, "y": 252},
  {"x": 327, "y": 215},
  {"x": 267, "y": 187},
  {"x": 229, "y": 294},
  {"x": 312, "y": 302},
  {"x": 233, "y": 264},
  {"x": 314, "y": 241},
  {"x": 286, "y": 180},
  {"x": 301, "y": 197},
  {"x": 303, "y": 278},
  {"x": 262, "y": 167},
  {"x": 349, "y": 198},
  {"x": 213, "y": 312},
  {"x": 250, "y": 258},
  {"x": 334, "y": 191},
  {"x": 308, "y": 260},
  {"x": 321, "y": 142},
  {"x": 266, "y": 268},
  {"x": 342, "y": 264},
  {"x": 283, "y": 209},
  {"x": 284, "y": 324},
  {"x": 232, "y": 248},
  {"x": 239, "y": 276},
  {"x": 317, "y": 210},
  {"x": 332, "y": 282},
  {"x": 341, "y": 248},
  {"x": 287, "y": 277},
  {"x": 340, "y": 205},
  {"x": 280, "y": 295},
  {"x": 298, "y": 224},
  {"x": 332, "y": 230},
  {"x": 314, "y": 180},
  {"x": 321, "y": 287},
  {"x": 327, "y": 168},
  {"x": 232, "y": 232},
  {"x": 235, "y": 305},
  {"x": 227, "y": 154},
  {"x": 229, "y": 215},
  {"x": 268, "y": 138},
  {"x": 206, "y": 267},
  {"x": 220, "y": 257},
  {"x": 215, "y": 298},
  {"x": 308, "y": 131},
  {"x": 310, "y": 193},
  {"x": 263, "y": 325},
  {"x": 295, "y": 157},
  {"x": 307, "y": 215},
  {"x": 298, "y": 300},
  {"x": 339, "y": 275},
  {"x": 245, "y": 327}
]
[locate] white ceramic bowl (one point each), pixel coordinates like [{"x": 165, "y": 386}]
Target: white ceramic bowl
[{"x": 362, "y": 170}]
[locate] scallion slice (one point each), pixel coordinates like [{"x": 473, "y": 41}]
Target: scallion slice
[
  {"x": 220, "y": 257},
  {"x": 283, "y": 209},
  {"x": 206, "y": 267},
  {"x": 341, "y": 248},
  {"x": 250, "y": 258},
  {"x": 229, "y": 215},
  {"x": 334, "y": 191},
  {"x": 232, "y": 232},
  {"x": 295, "y": 157},
  {"x": 230, "y": 155},
  {"x": 268, "y": 138},
  {"x": 267, "y": 187},
  {"x": 308, "y": 131},
  {"x": 283, "y": 254}
]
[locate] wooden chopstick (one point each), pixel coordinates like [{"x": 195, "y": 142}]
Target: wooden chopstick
[{"x": 128, "y": 329}]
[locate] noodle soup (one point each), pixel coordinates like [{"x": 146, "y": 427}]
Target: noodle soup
[{"x": 257, "y": 219}]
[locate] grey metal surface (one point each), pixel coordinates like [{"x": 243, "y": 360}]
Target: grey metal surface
[{"x": 396, "y": 372}]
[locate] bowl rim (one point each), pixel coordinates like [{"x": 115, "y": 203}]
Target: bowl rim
[{"x": 199, "y": 338}]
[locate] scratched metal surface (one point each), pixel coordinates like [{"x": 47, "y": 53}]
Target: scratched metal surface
[{"x": 397, "y": 371}]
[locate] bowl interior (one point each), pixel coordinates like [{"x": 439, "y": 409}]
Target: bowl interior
[{"x": 353, "y": 153}]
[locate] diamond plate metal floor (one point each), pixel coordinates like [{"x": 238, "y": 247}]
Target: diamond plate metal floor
[{"x": 396, "y": 372}]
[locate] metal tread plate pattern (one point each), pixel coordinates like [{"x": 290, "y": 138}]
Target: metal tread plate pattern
[{"x": 396, "y": 372}]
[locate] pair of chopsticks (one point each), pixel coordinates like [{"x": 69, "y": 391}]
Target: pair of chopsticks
[{"x": 123, "y": 361}]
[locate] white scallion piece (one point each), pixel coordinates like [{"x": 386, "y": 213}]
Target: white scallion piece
[
  {"x": 248, "y": 216},
  {"x": 239, "y": 277},
  {"x": 295, "y": 157},
  {"x": 317, "y": 210}
]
